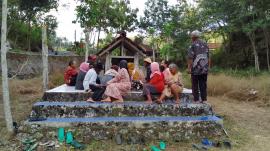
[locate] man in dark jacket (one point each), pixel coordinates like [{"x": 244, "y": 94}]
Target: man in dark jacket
[
  {"x": 147, "y": 63},
  {"x": 198, "y": 64}
]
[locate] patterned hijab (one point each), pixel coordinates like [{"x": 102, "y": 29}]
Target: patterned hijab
[
  {"x": 155, "y": 69},
  {"x": 84, "y": 67}
]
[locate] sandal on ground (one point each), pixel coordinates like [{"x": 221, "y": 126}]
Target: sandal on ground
[{"x": 77, "y": 145}]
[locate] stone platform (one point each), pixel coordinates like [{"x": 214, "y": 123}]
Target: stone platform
[
  {"x": 145, "y": 129},
  {"x": 66, "y": 93},
  {"x": 137, "y": 109},
  {"x": 132, "y": 120}
]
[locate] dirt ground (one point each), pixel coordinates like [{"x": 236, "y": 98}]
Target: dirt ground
[{"x": 247, "y": 124}]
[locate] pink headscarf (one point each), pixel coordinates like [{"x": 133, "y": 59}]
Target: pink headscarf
[
  {"x": 84, "y": 67},
  {"x": 155, "y": 69}
]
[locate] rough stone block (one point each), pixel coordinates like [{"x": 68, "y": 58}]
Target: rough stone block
[
  {"x": 137, "y": 109},
  {"x": 139, "y": 129}
]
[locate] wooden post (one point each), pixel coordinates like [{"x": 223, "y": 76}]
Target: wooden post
[
  {"x": 108, "y": 61},
  {"x": 5, "y": 87},
  {"x": 136, "y": 60},
  {"x": 122, "y": 49},
  {"x": 86, "y": 44},
  {"x": 45, "y": 58}
]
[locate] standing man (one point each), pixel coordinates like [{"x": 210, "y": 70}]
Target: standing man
[
  {"x": 198, "y": 64},
  {"x": 147, "y": 62}
]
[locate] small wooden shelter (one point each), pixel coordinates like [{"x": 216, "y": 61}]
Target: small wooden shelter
[{"x": 123, "y": 48}]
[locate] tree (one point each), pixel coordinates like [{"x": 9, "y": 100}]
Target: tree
[
  {"x": 106, "y": 15},
  {"x": 122, "y": 16},
  {"x": 34, "y": 8},
  {"x": 5, "y": 87},
  {"x": 156, "y": 13}
]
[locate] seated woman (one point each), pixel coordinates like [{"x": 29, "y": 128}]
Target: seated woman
[
  {"x": 109, "y": 75},
  {"x": 71, "y": 74},
  {"x": 84, "y": 67},
  {"x": 135, "y": 77},
  {"x": 174, "y": 86},
  {"x": 156, "y": 83},
  {"x": 164, "y": 68},
  {"x": 119, "y": 85}
]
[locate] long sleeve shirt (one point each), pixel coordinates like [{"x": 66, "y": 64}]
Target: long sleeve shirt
[
  {"x": 158, "y": 82},
  {"x": 90, "y": 78}
]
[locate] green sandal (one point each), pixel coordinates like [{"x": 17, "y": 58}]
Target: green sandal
[{"x": 77, "y": 145}]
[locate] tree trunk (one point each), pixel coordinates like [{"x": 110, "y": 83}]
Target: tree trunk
[
  {"x": 94, "y": 40},
  {"x": 89, "y": 41},
  {"x": 266, "y": 37},
  {"x": 45, "y": 58},
  {"x": 29, "y": 35},
  {"x": 98, "y": 38},
  {"x": 86, "y": 44},
  {"x": 5, "y": 87},
  {"x": 255, "y": 53}
]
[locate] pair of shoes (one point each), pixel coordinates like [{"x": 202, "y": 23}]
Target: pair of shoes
[
  {"x": 69, "y": 139},
  {"x": 162, "y": 146},
  {"x": 61, "y": 136}
]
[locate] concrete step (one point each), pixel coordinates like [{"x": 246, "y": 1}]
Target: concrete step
[
  {"x": 99, "y": 109},
  {"x": 142, "y": 128}
]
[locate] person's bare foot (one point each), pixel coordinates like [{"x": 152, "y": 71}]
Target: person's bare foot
[
  {"x": 118, "y": 101},
  {"x": 159, "y": 101},
  {"x": 107, "y": 100},
  {"x": 149, "y": 102},
  {"x": 90, "y": 100},
  {"x": 197, "y": 102},
  {"x": 177, "y": 101}
]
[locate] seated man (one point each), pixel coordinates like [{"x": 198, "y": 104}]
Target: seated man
[
  {"x": 174, "y": 85},
  {"x": 90, "y": 83},
  {"x": 71, "y": 74},
  {"x": 156, "y": 83}
]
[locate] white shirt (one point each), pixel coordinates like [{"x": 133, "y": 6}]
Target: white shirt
[{"x": 90, "y": 78}]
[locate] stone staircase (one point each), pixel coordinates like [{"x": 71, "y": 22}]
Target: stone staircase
[{"x": 133, "y": 119}]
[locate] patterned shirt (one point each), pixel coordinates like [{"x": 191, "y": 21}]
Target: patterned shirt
[{"x": 199, "y": 53}]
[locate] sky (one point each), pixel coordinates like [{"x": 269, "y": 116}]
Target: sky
[{"x": 66, "y": 14}]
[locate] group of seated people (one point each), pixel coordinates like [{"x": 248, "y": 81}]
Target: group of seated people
[{"x": 162, "y": 79}]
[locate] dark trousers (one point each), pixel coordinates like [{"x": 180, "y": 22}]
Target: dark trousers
[
  {"x": 97, "y": 92},
  {"x": 199, "y": 86},
  {"x": 73, "y": 80}
]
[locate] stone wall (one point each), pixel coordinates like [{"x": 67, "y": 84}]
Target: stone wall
[{"x": 26, "y": 65}]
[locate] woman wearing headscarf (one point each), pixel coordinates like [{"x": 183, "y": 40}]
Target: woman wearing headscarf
[
  {"x": 174, "y": 85},
  {"x": 71, "y": 73},
  {"x": 84, "y": 67},
  {"x": 136, "y": 77},
  {"x": 119, "y": 85},
  {"x": 156, "y": 83}
]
